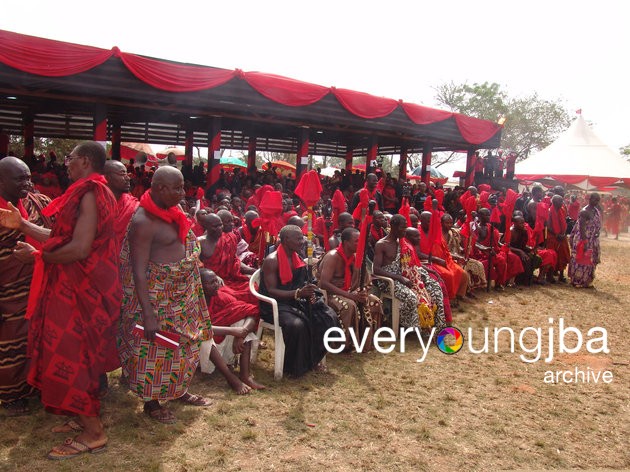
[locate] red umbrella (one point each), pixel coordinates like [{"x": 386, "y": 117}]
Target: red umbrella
[
  {"x": 284, "y": 167},
  {"x": 131, "y": 150},
  {"x": 179, "y": 153}
]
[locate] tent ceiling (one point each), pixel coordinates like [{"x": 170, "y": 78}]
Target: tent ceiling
[{"x": 64, "y": 107}]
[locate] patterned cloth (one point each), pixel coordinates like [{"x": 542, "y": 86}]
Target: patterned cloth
[
  {"x": 70, "y": 327},
  {"x": 476, "y": 273},
  {"x": 175, "y": 292},
  {"x": 582, "y": 275},
  {"x": 15, "y": 281},
  {"x": 410, "y": 299}
]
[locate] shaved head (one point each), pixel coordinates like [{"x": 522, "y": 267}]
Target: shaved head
[
  {"x": 113, "y": 166},
  {"x": 10, "y": 164},
  {"x": 166, "y": 175}
]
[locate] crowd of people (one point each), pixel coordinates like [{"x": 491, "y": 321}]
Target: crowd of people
[{"x": 147, "y": 270}]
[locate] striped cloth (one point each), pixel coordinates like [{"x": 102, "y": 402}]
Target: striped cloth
[{"x": 15, "y": 282}]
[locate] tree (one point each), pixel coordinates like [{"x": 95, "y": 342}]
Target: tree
[
  {"x": 625, "y": 152},
  {"x": 61, "y": 147},
  {"x": 532, "y": 123}
]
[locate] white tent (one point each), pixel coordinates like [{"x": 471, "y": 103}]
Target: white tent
[{"x": 577, "y": 157}]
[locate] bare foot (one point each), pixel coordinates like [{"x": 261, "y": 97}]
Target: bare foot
[
  {"x": 238, "y": 386},
  {"x": 252, "y": 383},
  {"x": 321, "y": 368}
]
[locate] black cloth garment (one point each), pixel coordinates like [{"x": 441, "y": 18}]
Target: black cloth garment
[{"x": 303, "y": 332}]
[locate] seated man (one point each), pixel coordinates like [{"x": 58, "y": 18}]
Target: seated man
[
  {"x": 474, "y": 268},
  {"x": 522, "y": 244},
  {"x": 356, "y": 309},
  {"x": 395, "y": 258},
  {"x": 345, "y": 221},
  {"x": 218, "y": 253},
  {"x": 454, "y": 276},
  {"x": 304, "y": 319},
  {"x": 378, "y": 231},
  {"x": 234, "y": 323}
]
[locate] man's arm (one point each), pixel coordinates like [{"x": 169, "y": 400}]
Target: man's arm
[
  {"x": 269, "y": 271},
  {"x": 83, "y": 236},
  {"x": 12, "y": 219},
  {"x": 377, "y": 265},
  {"x": 141, "y": 234},
  {"x": 327, "y": 272}
]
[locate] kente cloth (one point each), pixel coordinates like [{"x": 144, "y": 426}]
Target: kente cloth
[
  {"x": 303, "y": 328},
  {"x": 15, "y": 281},
  {"x": 227, "y": 265},
  {"x": 451, "y": 274},
  {"x": 582, "y": 275},
  {"x": 426, "y": 292},
  {"x": 476, "y": 274},
  {"x": 126, "y": 206},
  {"x": 505, "y": 265},
  {"x": 226, "y": 308},
  {"x": 71, "y": 333},
  {"x": 156, "y": 372},
  {"x": 351, "y": 315}
]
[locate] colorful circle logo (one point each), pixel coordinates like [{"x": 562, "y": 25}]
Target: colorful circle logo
[{"x": 450, "y": 340}]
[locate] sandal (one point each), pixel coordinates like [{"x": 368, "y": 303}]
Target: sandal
[
  {"x": 76, "y": 449},
  {"x": 160, "y": 414},
  {"x": 194, "y": 400},
  {"x": 68, "y": 427}
]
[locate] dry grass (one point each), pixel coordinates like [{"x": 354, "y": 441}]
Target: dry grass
[{"x": 388, "y": 412}]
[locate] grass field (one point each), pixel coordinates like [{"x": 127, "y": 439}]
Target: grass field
[{"x": 388, "y": 412}]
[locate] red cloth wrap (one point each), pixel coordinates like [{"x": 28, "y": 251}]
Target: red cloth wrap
[
  {"x": 405, "y": 210},
  {"x": 226, "y": 308},
  {"x": 170, "y": 215},
  {"x": 271, "y": 212},
  {"x": 347, "y": 264},
  {"x": 284, "y": 268}
]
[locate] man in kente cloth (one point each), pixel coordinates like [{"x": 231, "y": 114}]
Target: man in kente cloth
[
  {"x": 234, "y": 323},
  {"x": 505, "y": 264},
  {"x": 303, "y": 316},
  {"x": 584, "y": 240},
  {"x": 162, "y": 292},
  {"x": 218, "y": 253},
  {"x": 74, "y": 300},
  {"x": 126, "y": 204},
  {"x": 395, "y": 258},
  {"x": 357, "y": 309},
  {"x": 15, "y": 281}
]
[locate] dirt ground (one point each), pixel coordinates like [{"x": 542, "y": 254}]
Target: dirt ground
[{"x": 389, "y": 412}]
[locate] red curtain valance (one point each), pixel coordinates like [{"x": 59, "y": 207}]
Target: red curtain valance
[
  {"x": 364, "y": 105},
  {"x": 290, "y": 92},
  {"x": 51, "y": 58},
  {"x": 175, "y": 77},
  {"x": 48, "y": 58}
]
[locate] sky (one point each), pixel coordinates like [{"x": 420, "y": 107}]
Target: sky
[{"x": 573, "y": 51}]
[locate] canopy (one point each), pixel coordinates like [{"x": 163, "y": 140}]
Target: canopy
[{"x": 577, "y": 157}]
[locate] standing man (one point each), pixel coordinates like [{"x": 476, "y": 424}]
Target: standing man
[
  {"x": 372, "y": 194},
  {"x": 15, "y": 280},
  {"x": 162, "y": 291},
  {"x": 75, "y": 299},
  {"x": 126, "y": 204},
  {"x": 284, "y": 278}
]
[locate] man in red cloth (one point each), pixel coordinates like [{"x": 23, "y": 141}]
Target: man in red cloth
[
  {"x": 253, "y": 236},
  {"x": 557, "y": 236},
  {"x": 234, "y": 323},
  {"x": 126, "y": 204},
  {"x": 372, "y": 194},
  {"x": 15, "y": 279},
  {"x": 218, "y": 253},
  {"x": 75, "y": 299},
  {"x": 505, "y": 264},
  {"x": 454, "y": 276}
]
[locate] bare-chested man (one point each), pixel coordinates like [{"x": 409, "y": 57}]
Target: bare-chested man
[
  {"x": 162, "y": 293},
  {"x": 357, "y": 310}
]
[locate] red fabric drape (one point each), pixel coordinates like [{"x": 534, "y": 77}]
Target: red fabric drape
[
  {"x": 284, "y": 90},
  {"x": 474, "y": 130},
  {"x": 421, "y": 115},
  {"x": 175, "y": 77},
  {"x": 363, "y": 104},
  {"x": 48, "y": 58}
]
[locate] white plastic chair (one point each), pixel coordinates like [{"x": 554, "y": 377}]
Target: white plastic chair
[
  {"x": 395, "y": 302},
  {"x": 278, "y": 367}
]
